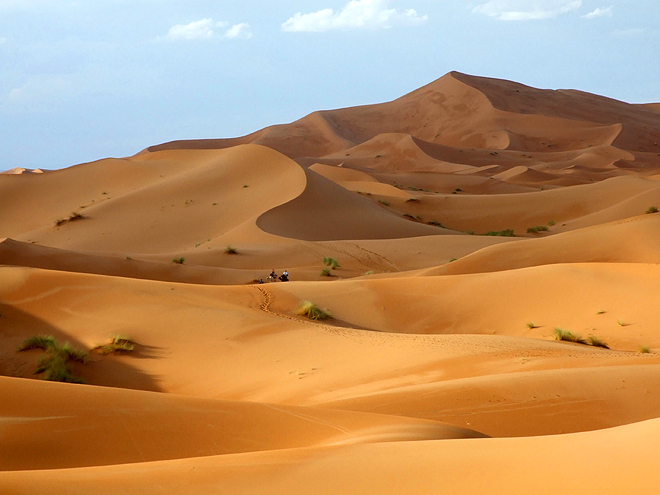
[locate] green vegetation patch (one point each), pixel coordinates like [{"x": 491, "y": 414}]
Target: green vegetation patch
[
  {"x": 55, "y": 364},
  {"x": 312, "y": 311},
  {"x": 500, "y": 233}
]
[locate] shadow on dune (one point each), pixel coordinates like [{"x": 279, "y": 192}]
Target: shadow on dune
[
  {"x": 109, "y": 370},
  {"x": 326, "y": 211}
]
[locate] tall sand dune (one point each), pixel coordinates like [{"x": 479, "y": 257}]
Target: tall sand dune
[{"x": 486, "y": 256}]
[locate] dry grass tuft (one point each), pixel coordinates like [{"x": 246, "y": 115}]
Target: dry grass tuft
[
  {"x": 55, "y": 363},
  {"x": 117, "y": 344},
  {"x": 561, "y": 334},
  {"x": 596, "y": 342},
  {"x": 312, "y": 311}
]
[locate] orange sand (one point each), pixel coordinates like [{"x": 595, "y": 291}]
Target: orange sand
[{"x": 438, "y": 372}]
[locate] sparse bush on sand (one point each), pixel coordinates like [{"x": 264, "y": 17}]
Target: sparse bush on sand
[
  {"x": 331, "y": 262},
  {"x": 652, "y": 209},
  {"x": 230, "y": 250},
  {"x": 644, "y": 349},
  {"x": 537, "y": 229},
  {"x": 531, "y": 325},
  {"x": 312, "y": 311},
  {"x": 500, "y": 233},
  {"x": 117, "y": 344},
  {"x": 551, "y": 223},
  {"x": 179, "y": 261},
  {"x": 55, "y": 363},
  {"x": 596, "y": 342},
  {"x": 382, "y": 201},
  {"x": 437, "y": 224},
  {"x": 326, "y": 273},
  {"x": 37, "y": 342},
  {"x": 73, "y": 217},
  {"x": 561, "y": 334}
]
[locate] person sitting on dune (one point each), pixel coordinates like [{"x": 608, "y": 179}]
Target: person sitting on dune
[
  {"x": 285, "y": 276},
  {"x": 273, "y": 275}
]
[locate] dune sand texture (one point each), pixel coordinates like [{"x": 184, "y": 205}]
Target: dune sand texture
[{"x": 470, "y": 220}]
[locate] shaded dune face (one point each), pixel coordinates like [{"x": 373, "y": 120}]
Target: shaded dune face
[{"x": 453, "y": 235}]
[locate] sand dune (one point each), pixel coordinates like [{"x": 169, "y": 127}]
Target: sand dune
[
  {"x": 577, "y": 246},
  {"x": 134, "y": 427},
  {"x": 452, "y": 233},
  {"x": 625, "y": 456}
]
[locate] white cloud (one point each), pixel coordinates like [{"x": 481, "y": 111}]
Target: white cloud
[
  {"x": 194, "y": 31},
  {"x": 239, "y": 31},
  {"x": 599, "y": 13},
  {"x": 525, "y": 10},
  {"x": 357, "y": 14},
  {"x": 206, "y": 29}
]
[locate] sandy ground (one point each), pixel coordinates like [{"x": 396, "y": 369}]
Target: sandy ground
[{"x": 438, "y": 371}]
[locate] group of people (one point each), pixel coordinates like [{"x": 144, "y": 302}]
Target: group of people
[{"x": 273, "y": 276}]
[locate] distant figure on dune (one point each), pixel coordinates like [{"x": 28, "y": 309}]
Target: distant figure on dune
[
  {"x": 261, "y": 281},
  {"x": 285, "y": 276},
  {"x": 272, "y": 277}
]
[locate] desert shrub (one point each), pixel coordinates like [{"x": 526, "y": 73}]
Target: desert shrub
[
  {"x": 312, "y": 311},
  {"x": 644, "y": 349},
  {"x": 413, "y": 200},
  {"x": 551, "y": 223},
  {"x": 37, "y": 342},
  {"x": 326, "y": 273},
  {"x": 117, "y": 344},
  {"x": 561, "y": 334},
  {"x": 530, "y": 325},
  {"x": 537, "y": 229},
  {"x": 331, "y": 262},
  {"x": 386, "y": 203},
  {"x": 70, "y": 353},
  {"x": 230, "y": 250},
  {"x": 621, "y": 323},
  {"x": 55, "y": 363},
  {"x": 500, "y": 233},
  {"x": 409, "y": 215},
  {"x": 596, "y": 342},
  {"x": 437, "y": 224},
  {"x": 179, "y": 260},
  {"x": 73, "y": 217},
  {"x": 652, "y": 209},
  {"x": 55, "y": 369}
]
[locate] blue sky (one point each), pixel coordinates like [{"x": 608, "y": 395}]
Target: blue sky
[{"x": 88, "y": 79}]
